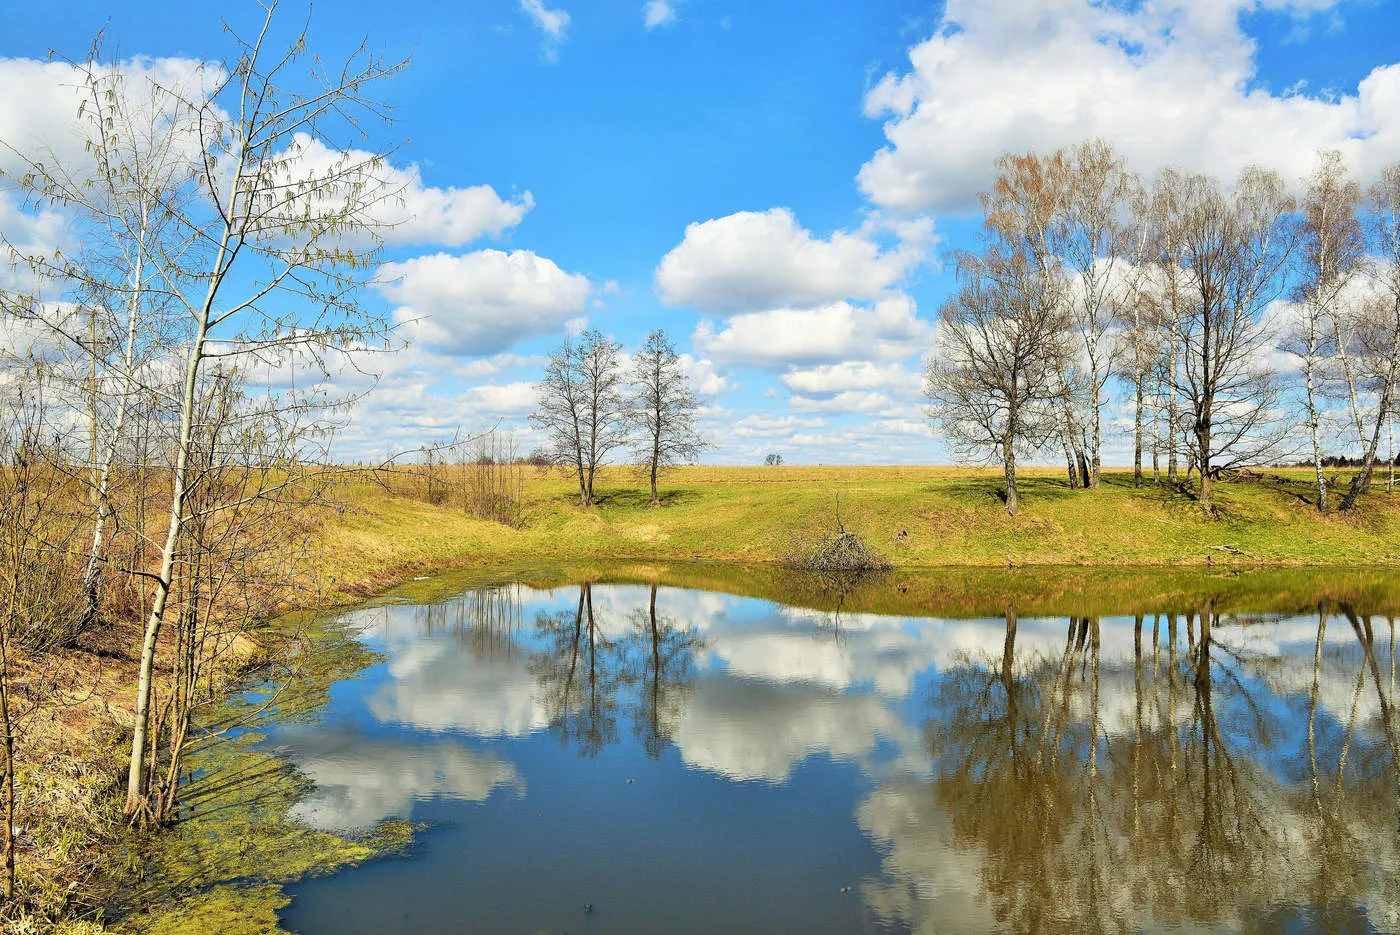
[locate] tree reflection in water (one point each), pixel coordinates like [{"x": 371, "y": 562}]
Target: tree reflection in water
[
  {"x": 1177, "y": 812},
  {"x": 659, "y": 661},
  {"x": 582, "y": 668},
  {"x": 485, "y": 620},
  {"x": 1201, "y": 771}
]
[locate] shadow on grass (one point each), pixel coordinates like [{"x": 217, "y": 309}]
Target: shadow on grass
[
  {"x": 632, "y": 499},
  {"x": 982, "y": 490},
  {"x": 1038, "y": 490},
  {"x": 1160, "y": 490}
]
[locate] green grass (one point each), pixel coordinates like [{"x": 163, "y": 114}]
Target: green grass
[{"x": 948, "y": 517}]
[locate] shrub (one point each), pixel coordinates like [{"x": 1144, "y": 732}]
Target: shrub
[{"x": 832, "y": 550}]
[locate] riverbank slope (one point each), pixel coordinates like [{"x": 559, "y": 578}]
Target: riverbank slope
[{"x": 915, "y": 516}]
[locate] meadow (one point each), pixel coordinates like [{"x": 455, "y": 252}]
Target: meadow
[{"x": 917, "y": 517}]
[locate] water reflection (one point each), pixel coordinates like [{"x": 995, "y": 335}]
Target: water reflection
[
  {"x": 660, "y": 658},
  {"x": 360, "y": 782},
  {"x": 1157, "y": 791},
  {"x": 1201, "y": 771}
]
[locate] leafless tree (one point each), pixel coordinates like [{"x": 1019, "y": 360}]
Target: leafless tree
[
  {"x": 995, "y": 379},
  {"x": 1170, "y": 197},
  {"x": 1234, "y": 249},
  {"x": 582, "y": 407},
  {"x": 269, "y": 216},
  {"x": 1143, "y": 314},
  {"x": 1093, "y": 237},
  {"x": 1333, "y": 247},
  {"x": 1025, "y": 213},
  {"x": 992, "y": 377},
  {"x": 120, "y": 205},
  {"x": 1378, "y": 327},
  {"x": 663, "y": 409}
]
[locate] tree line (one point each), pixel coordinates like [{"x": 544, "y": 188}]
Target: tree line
[{"x": 1085, "y": 276}]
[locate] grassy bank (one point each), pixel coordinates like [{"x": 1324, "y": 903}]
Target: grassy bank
[
  {"x": 1245, "y": 593},
  {"x": 916, "y": 516}
]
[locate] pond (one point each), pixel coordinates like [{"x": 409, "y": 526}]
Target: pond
[{"x": 634, "y": 757}]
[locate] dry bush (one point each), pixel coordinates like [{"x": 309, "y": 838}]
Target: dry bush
[
  {"x": 493, "y": 480},
  {"x": 831, "y": 549},
  {"x": 484, "y": 475}
]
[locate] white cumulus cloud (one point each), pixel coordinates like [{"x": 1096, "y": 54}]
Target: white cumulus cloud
[
  {"x": 510, "y": 399},
  {"x": 39, "y": 121},
  {"x": 764, "y": 259},
  {"x": 851, "y": 401},
  {"x": 1168, "y": 83},
  {"x": 39, "y": 109},
  {"x": 889, "y": 330},
  {"x": 703, "y": 378},
  {"x": 852, "y": 375},
  {"x": 481, "y": 302},
  {"x": 400, "y": 207}
]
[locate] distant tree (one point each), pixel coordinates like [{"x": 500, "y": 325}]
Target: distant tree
[
  {"x": 582, "y": 408},
  {"x": 773, "y": 459},
  {"x": 663, "y": 409}
]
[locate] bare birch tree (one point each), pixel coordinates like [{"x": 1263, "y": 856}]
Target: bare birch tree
[
  {"x": 120, "y": 205},
  {"x": 270, "y": 222},
  {"x": 1145, "y": 314},
  {"x": 663, "y": 410},
  {"x": 1379, "y": 328},
  {"x": 1171, "y": 194},
  {"x": 1093, "y": 236},
  {"x": 1333, "y": 246}
]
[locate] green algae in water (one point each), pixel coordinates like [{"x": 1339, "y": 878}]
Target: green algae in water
[
  {"x": 229, "y": 910},
  {"x": 223, "y": 866}
]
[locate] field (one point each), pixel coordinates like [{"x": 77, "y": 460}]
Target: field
[{"x": 915, "y": 516}]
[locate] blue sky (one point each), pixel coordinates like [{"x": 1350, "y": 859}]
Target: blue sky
[{"x": 836, "y": 146}]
